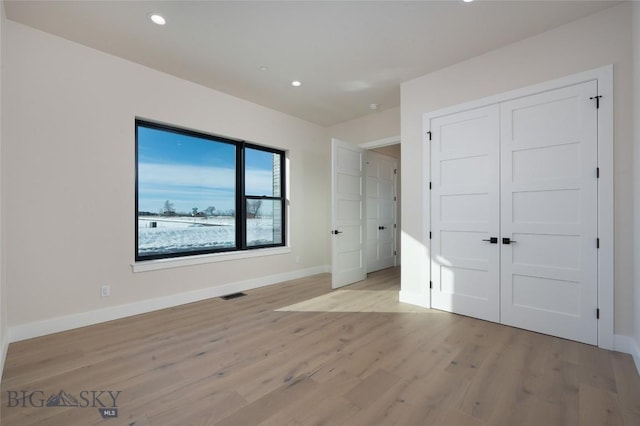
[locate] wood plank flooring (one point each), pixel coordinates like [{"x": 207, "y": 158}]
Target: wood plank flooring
[{"x": 298, "y": 353}]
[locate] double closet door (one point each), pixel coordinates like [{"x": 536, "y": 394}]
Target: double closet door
[{"x": 513, "y": 221}]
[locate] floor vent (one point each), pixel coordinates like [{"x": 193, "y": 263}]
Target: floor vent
[{"x": 232, "y": 296}]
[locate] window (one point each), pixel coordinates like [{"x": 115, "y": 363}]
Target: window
[{"x": 198, "y": 193}]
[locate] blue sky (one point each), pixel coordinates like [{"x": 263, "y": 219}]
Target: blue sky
[{"x": 193, "y": 172}]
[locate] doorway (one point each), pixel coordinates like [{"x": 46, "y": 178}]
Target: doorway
[
  {"x": 382, "y": 207},
  {"x": 350, "y": 221}
]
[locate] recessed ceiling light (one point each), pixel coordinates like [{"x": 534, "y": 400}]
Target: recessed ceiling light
[
  {"x": 157, "y": 19},
  {"x": 296, "y": 83},
  {"x": 467, "y": 1},
  {"x": 263, "y": 68},
  {"x": 373, "y": 107}
]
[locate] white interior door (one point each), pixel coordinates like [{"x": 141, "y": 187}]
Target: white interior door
[
  {"x": 549, "y": 211},
  {"x": 381, "y": 211},
  {"x": 347, "y": 214},
  {"x": 465, "y": 213}
]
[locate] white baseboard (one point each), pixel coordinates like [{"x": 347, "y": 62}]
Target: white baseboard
[
  {"x": 629, "y": 346},
  {"x": 3, "y": 354},
  {"x": 413, "y": 298},
  {"x": 69, "y": 322}
]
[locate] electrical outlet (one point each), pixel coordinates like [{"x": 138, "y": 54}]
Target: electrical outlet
[{"x": 105, "y": 291}]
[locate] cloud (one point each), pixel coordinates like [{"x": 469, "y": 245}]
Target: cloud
[
  {"x": 259, "y": 182},
  {"x": 195, "y": 186},
  {"x": 175, "y": 175}
]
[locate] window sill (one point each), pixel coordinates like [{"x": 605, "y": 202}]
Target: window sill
[{"x": 153, "y": 265}]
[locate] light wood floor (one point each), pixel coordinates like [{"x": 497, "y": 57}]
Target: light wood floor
[{"x": 298, "y": 354}]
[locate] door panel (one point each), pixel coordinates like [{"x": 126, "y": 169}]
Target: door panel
[
  {"x": 549, "y": 207},
  {"x": 347, "y": 214},
  {"x": 381, "y": 211},
  {"x": 464, "y": 212}
]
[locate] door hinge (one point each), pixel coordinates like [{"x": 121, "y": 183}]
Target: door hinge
[
  {"x": 395, "y": 253},
  {"x": 597, "y": 98},
  {"x": 395, "y": 171},
  {"x": 429, "y": 185},
  {"x": 429, "y": 234},
  {"x": 597, "y": 172},
  {"x": 430, "y": 284},
  {"x": 395, "y": 199},
  {"x": 429, "y": 133},
  {"x": 395, "y": 226},
  {"x": 597, "y": 242},
  {"x": 598, "y": 313}
]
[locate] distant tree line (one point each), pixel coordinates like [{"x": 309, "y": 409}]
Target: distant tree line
[{"x": 168, "y": 210}]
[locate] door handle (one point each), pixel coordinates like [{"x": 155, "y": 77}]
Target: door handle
[
  {"x": 492, "y": 240},
  {"x": 380, "y": 228},
  {"x": 336, "y": 232},
  {"x": 508, "y": 241}
]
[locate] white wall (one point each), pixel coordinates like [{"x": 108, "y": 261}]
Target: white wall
[
  {"x": 371, "y": 127},
  {"x": 392, "y": 151},
  {"x": 4, "y": 332},
  {"x": 598, "y": 40},
  {"x": 636, "y": 169},
  {"x": 69, "y": 165}
]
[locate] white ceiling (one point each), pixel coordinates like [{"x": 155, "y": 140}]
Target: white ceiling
[{"x": 347, "y": 54}]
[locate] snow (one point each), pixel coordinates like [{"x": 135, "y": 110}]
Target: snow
[{"x": 158, "y": 234}]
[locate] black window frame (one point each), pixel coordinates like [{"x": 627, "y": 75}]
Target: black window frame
[{"x": 240, "y": 194}]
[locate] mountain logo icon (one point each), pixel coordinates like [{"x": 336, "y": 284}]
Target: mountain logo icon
[{"x": 62, "y": 399}]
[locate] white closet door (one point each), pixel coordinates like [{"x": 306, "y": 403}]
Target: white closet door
[
  {"x": 381, "y": 211},
  {"x": 549, "y": 211},
  {"x": 465, "y": 213}
]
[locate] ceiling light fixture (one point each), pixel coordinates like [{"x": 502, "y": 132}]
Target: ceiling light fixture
[
  {"x": 467, "y": 1},
  {"x": 263, "y": 68},
  {"x": 296, "y": 83},
  {"x": 157, "y": 19},
  {"x": 373, "y": 107}
]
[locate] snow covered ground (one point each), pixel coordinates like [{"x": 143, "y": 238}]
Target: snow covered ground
[{"x": 159, "y": 234}]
